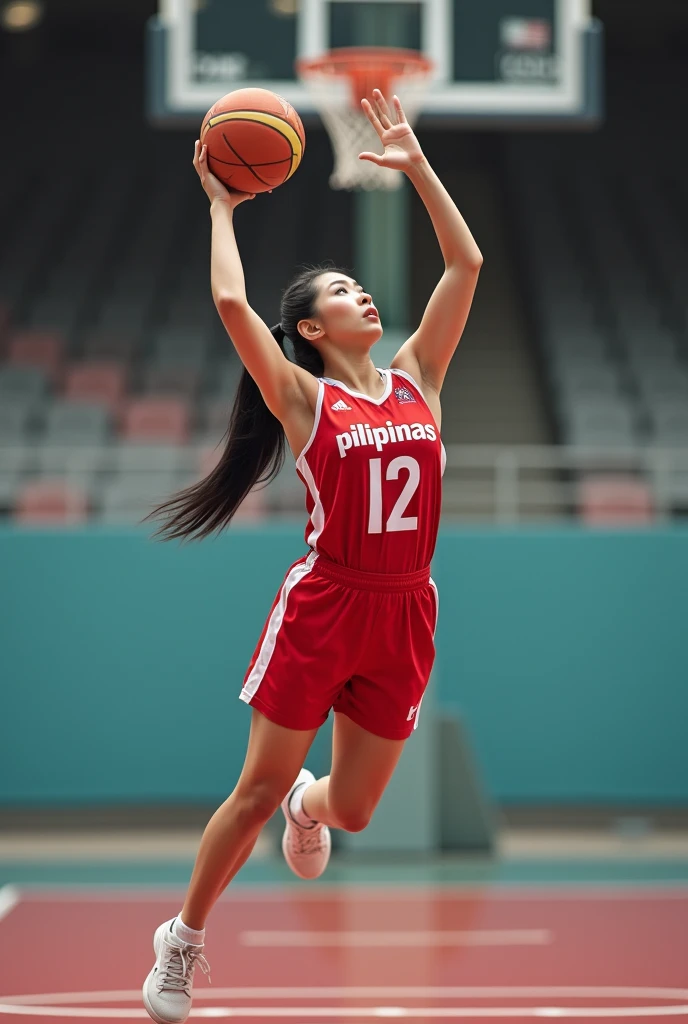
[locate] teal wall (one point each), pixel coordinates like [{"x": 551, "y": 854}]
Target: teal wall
[{"x": 121, "y": 660}]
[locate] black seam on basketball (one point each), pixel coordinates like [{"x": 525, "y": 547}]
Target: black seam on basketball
[
  {"x": 247, "y": 165},
  {"x": 264, "y": 163}
]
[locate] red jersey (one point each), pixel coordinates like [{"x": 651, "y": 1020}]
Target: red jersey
[{"x": 373, "y": 474}]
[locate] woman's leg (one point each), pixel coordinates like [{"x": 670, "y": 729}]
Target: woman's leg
[
  {"x": 274, "y": 758},
  {"x": 362, "y": 765}
]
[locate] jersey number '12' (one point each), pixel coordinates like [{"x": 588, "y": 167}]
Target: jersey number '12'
[{"x": 397, "y": 520}]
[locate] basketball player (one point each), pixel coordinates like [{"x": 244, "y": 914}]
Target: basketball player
[{"x": 352, "y": 627}]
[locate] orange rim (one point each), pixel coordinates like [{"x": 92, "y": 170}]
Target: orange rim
[{"x": 368, "y": 67}]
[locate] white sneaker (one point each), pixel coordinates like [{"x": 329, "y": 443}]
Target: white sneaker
[
  {"x": 306, "y": 849},
  {"x": 167, "y": 989}
]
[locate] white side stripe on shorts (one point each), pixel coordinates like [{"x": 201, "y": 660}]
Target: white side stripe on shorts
[
  {"x": 274, "y": 623},
  {"x": 437, "y": 615}
]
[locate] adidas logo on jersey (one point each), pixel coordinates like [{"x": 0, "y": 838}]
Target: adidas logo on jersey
[
  {"x": 360, "y": 435},
  {"x": 341, "y": 406}
]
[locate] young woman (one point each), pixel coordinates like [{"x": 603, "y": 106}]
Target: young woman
[{"x": 352, "y": 627}]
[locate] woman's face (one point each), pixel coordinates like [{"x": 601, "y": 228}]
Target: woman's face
[{"x": 344, "y": 312}]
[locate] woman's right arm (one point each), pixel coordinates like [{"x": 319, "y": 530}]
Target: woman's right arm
[{"x": 284, "y": 386}]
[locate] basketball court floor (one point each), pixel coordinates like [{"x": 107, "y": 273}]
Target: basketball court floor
[{"x": 451, "y": 938}]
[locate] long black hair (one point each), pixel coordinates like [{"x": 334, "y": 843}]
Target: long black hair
[{"x": 255, "y": 446}]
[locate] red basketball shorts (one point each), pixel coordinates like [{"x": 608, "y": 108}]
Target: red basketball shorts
[{"x": 361, "y": 643}]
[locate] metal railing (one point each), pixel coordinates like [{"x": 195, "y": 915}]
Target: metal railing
[{"x": 487, "y": 483}]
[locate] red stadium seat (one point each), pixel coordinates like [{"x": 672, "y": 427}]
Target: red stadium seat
[
  {"x": 36, "y": 348},
  {"x": 157, "y": 419},
  {"x": 96, "y": 382},
  {"x": 43, "y": 502},
  {"x": 254, "y": 505},
  {"x": 209, "y": 458},
  {"x": 615, "y": 500}
]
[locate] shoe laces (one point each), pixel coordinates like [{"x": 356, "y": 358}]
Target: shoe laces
[
  {"x": 307, "y": 840},
  {"x": 178, "y": 971}
]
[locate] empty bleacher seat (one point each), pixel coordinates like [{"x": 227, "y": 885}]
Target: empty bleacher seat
[
  {"x": 181, "y": 346},
  {"x": 605, "y": 425},
  {"x": 659, "y": 383},
  {"x": 171, "y": 379},
  {"x": 22, "y": 383},
  {"x": 15, "y": 422},
  {"x": 36, "y": 348},
  {"x": 96, "y": 381},
  {"x": 105, "y": 345},
  {"x": 215, "y": 416},
  {"x": 54, "y": 502},
  {"x": 615, "y": 500},
  {"x": 70, "y": 423},
  {"x": 157, "y": 419},
  {"x": 127, "y": 499},
  {"x": 670, "y": 426},
  {"x": 226, "y": 376},
  {"x": 128, "y": 457}
]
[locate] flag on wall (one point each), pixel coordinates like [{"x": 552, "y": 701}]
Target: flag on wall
[{"x": 525, "y": 33}]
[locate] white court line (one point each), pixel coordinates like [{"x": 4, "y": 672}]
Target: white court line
[
  {"x": 386, "y": 992},
  {"x": 9, "y": 897},
  {"x": 21, "y": 1006},
  {"x": 372, "y": 892},
  {"x": 416, "y": 939}
]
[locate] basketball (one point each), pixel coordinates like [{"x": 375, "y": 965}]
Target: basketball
[{"x": 255, "y": 140}]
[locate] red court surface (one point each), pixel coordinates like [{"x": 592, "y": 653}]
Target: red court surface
[{"x": 359, "y": 954}]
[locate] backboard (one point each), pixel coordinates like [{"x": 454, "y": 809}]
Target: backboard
[{"x": 501, "y": 62}]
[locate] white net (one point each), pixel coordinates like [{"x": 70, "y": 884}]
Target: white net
[{"x": 349, "y": 129}]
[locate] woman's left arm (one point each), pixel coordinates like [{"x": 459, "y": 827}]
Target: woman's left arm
[{"x": 427, "y": 353}]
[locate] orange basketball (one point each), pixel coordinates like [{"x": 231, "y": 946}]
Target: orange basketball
[{"x": 255, "y": 140}]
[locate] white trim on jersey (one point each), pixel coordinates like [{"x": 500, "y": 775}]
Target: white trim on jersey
[
  {"x": 318, "y": 513},
  {"x": 358, "y": 394},
  {"x": 437, "y": 615},
  {"x": 409, "y": 378},
  {"x": 270, "y": 639},
  {"x": 316, "y": 421},
  {"x": 403, "y": 373}
]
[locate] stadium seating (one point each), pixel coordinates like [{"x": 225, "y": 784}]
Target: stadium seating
[
  {"x": 96, "y": 381},
  {"x": 44, "y": 502}
]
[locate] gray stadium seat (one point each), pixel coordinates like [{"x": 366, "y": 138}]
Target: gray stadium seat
[
  {"x": 595, "y": 378},
  {"x": 215, "y": 416},
  {"x": 181, "y": 347},
  {"x": 600, "y": 426},
  {"x": 225, "y": 377},
  {"x": 171, "y": 379},
  {"x": 145, "y": 458},
  {"x": 25, "y": 382},
  {"x": 129, "y": 498},
  {"x": 663, "y": 382},
  {"x": 286, "y": 493},
  {"x": 670, "y": 427},
  {"x": 17, "y": 458},
  {"x": 15, "y": 422},
  {"x": 71, "y": 423}
]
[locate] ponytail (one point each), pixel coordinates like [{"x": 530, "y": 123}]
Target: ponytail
[{"x": 255, "y": 447}]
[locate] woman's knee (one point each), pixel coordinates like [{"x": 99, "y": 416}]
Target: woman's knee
[
  {"x": 257, "y": 801},
  {"x": 351, "y": 818}
]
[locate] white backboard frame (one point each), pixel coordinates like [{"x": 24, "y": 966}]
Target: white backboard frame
[{"x": 445, "y": 99}]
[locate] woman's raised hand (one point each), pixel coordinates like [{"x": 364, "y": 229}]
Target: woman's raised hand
[
  {"x": 212, "y": 186},
  {"x": 402, "y": 148}
]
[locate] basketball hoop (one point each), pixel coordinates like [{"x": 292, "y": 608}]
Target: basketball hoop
[{"x": 339, "y": 80}]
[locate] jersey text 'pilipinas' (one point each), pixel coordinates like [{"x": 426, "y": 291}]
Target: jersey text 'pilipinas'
[{"x": 373, "y": 472}]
